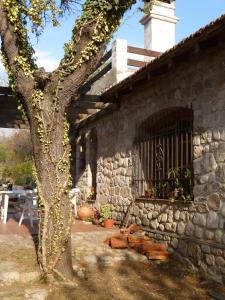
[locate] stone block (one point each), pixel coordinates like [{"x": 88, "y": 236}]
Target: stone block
[
  {"x": 168, "y": 227},
  {"x": 117, "y": 156},
  {"x": 216, "y": 135},
  {"x": 190, "y": 229},
  {"x": 114, "y": 215},
  {"x": 197, "y": 166},
  {"x": 161, "y": 227},
  {"x": 154, "y": 224},
  {"x": 210, "y": 260},
  {"x": 155, "y": 214},
  {"x": 209, "y": 235},
  {"x": 223, "y": 210},
  {"x": 213, "y": 146},
  {"x": 181, "y": 228},
  {"x": 218, "y": 235},
  {"x": 183, "y": 216},
  {"x": 174, "y": 227},
  {"x": 196, "y": 140},
  {"x": 117, "y": 190},
  {"x": 198, "y": 190},
  {"x": 212, "y": 187},
  {"x": 120, "y": 162},
  {"x": 220, "y": 152},
  {"x": 220, "y": 172},
  {"x": 198, "y": 151},
  {"x": 145, "y": 221},
  {"x": 199, "y": 219},
  {"x": 150, "y": 206},
  {"x": 206, "y": 137},
  {"x": 203, "y": 267},
  {"x": 112, "y": 191},
  {"x": 140, "y": 213},
  {"x": 141, "y": 205},
  {"x": 122, "y": 171},
  {"x": 125, "y": 192},
  {"x": 129, "y": 172},
  {"x": 205, "y": 164},
  {"x": 217, "y": 251},
  {"x": 199, "y": 232},
  {"x": 194, "y": 251},
  {"x": 203, "y": 208},
  {"x": 212, "y": 177},
  {"x": 205, "y": 149},
  {"x": 205, "y": 249},
  {"x": 163, "y": 218},
  {"x": 177, "y": 215},
  {"x": 222, "y": 135},
  {"x": 138, "y": 221},
  {"x": 174, "y": 243},
  {"x": 170, "y": 217},
  {"x": 220, "y": 261},
  {"x": 115, "y": 165},
  {"x": 204, "y": 178},
  {"x": 145, "y": 211},
  {"x": 149, "y": 215},
  {"x": 212, "y": 221}
]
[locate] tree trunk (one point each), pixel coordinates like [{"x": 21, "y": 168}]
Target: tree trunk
[{"x": 49, "y": 133}]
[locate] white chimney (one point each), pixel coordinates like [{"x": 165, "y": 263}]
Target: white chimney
[{"x": 159, "y": 26}]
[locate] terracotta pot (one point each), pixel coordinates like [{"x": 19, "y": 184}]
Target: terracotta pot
[
  {"x": 109, "y": 223},
  {"x": 84, "y": 212}
]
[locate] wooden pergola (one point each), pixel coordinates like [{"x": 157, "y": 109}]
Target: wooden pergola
[{"x": 85, "y": 107}]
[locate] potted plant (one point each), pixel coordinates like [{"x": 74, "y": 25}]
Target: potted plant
[
  {"x": 180, "y": 182},
  {"x": 92, "y": 194},
  {"x": 96, "y": 217},
  {"x": 106, "y": 216}
]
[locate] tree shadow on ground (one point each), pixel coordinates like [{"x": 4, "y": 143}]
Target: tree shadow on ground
[{"x": 132, "y": 280}]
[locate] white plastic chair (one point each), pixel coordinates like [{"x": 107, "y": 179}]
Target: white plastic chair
[
  {"x": 73, "y": 198},
  {"x": 29, "y": 208}
]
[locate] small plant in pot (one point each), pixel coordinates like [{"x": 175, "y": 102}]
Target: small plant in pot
[
  {"x": 106, "y": 216},
  {"x": 96, "y": 217}
]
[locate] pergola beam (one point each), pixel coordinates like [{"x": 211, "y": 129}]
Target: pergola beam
[{"x": 89, "y": 105}]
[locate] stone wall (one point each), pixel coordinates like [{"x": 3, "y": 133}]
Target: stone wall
[{"x": 195, "y": 230}]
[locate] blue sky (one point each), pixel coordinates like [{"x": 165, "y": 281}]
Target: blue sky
[{"x": 193, "y": 14}]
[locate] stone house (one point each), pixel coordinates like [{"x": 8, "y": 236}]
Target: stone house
[{"x": 165, "y": 126}]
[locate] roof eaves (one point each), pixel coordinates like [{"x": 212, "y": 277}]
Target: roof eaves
[{"x": 182, "y": 45}]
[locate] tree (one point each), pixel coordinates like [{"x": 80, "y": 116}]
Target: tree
[
  {"x": 46, "y": 97},
  {"x": 16, "y": 158}
]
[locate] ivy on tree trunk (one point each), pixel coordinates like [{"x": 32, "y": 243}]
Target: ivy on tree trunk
[{"x": 45, "y": 98}]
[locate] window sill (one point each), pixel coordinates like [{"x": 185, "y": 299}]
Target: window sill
[
  {"x": 91, "y": 200},
  {"x": 165, "y": 201}
]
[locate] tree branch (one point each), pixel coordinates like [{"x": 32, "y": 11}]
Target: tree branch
[
  {"x": 91, "y": 33},
  {"x": 11, "y": 50}
]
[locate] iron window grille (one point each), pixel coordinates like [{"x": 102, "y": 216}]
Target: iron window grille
[{"x": 163, "y": 155}]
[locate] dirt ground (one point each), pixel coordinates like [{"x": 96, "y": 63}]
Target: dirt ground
[
  {"x": 123, "y": 280},
  {"x": 133, "y": 281},
  {"x": 138, "y": 281},
  {"x": 126, "y": 279}
]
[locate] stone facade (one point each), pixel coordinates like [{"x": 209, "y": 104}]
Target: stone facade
[{"x": 196, "y": 230}]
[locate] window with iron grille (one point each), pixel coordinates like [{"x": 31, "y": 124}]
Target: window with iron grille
[{"x": 163, "y": 155}]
